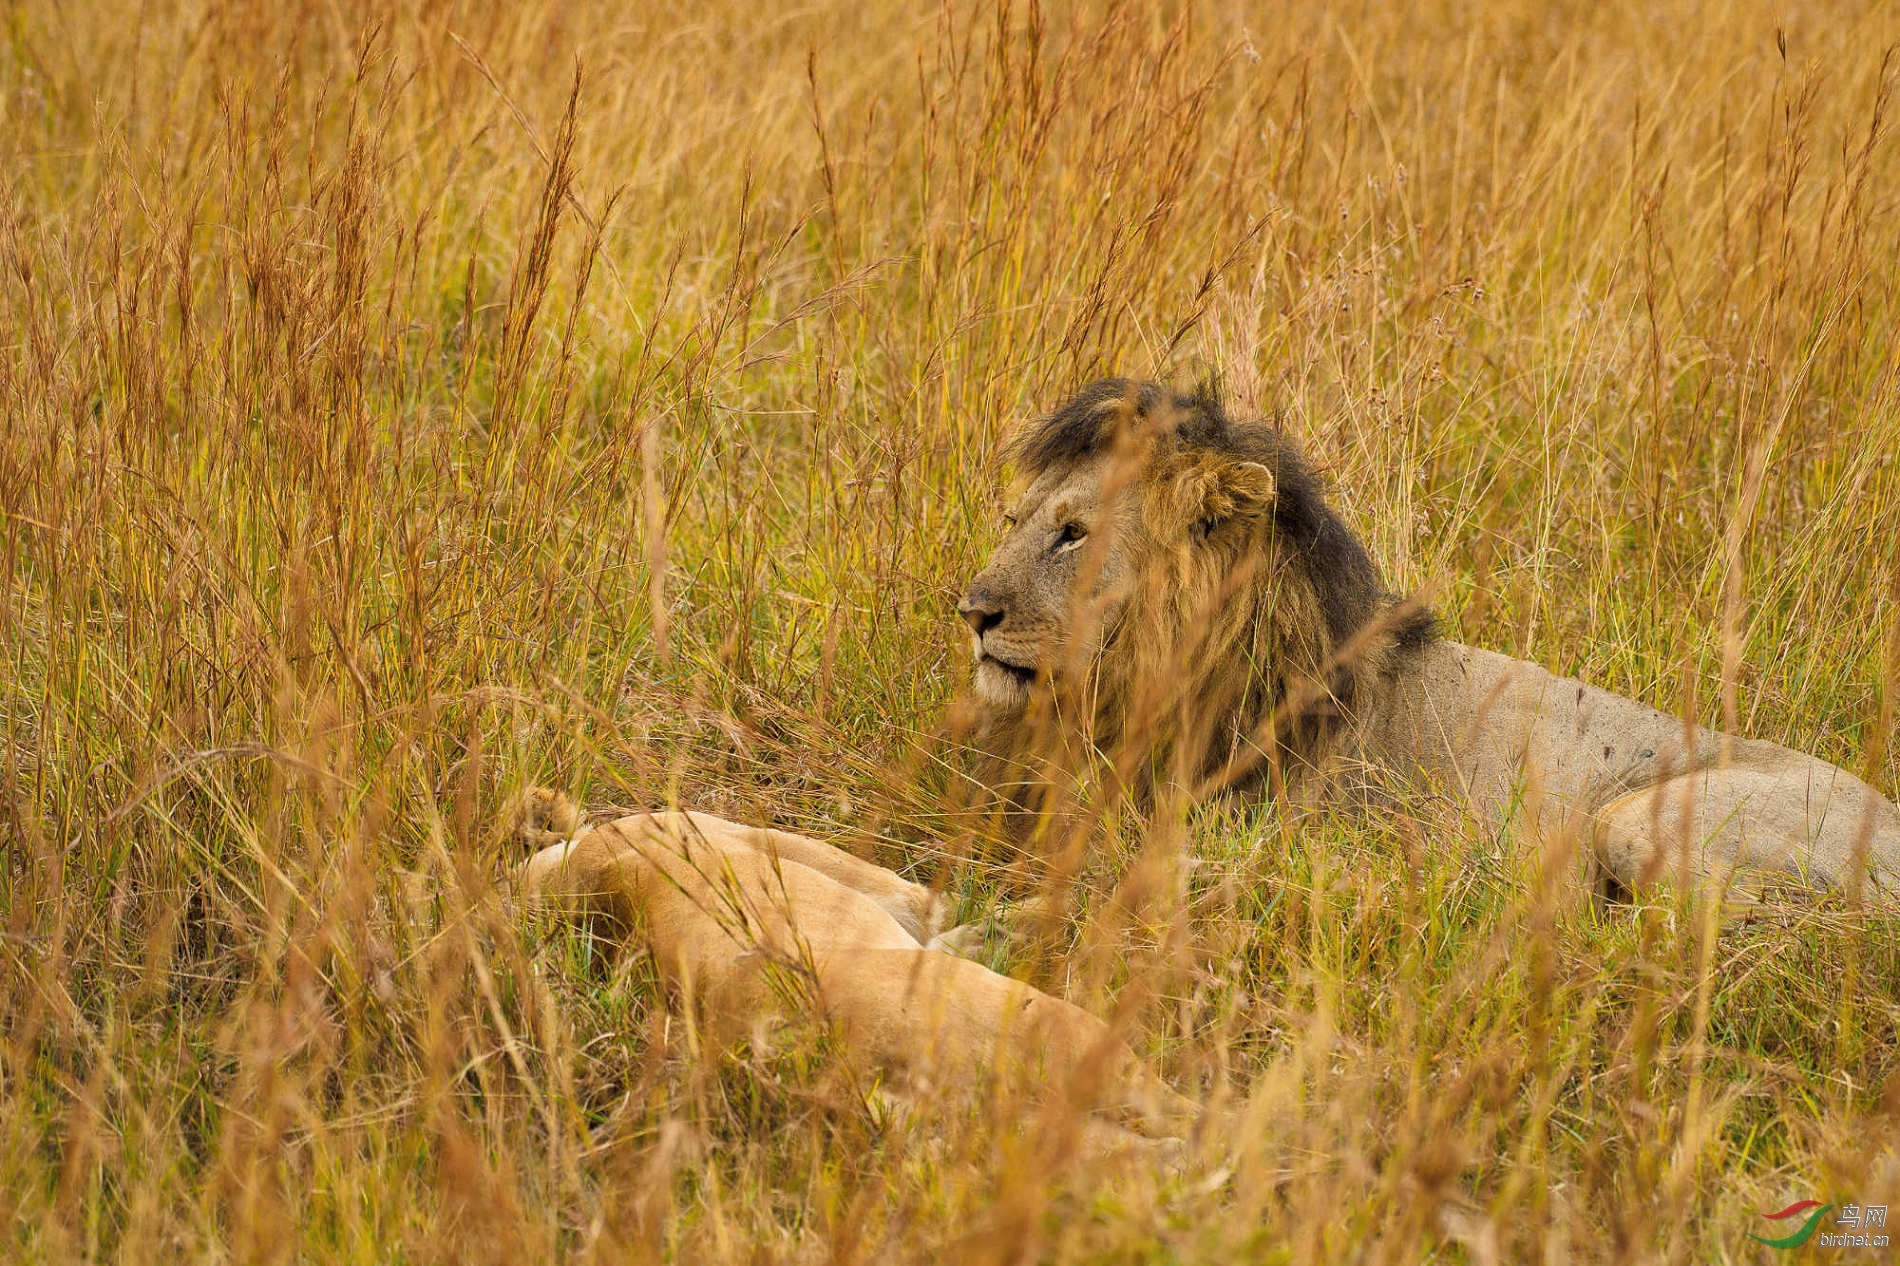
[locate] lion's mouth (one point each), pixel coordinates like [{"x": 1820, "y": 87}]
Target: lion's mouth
[
  {"x": 1002, "y": 684},
  {"x": 1016, "y": 672}
]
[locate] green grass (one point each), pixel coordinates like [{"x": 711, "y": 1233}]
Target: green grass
[{"x": 386, "y": 424}]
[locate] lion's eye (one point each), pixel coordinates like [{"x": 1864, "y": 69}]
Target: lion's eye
[{"x": 1071, "y": 534}]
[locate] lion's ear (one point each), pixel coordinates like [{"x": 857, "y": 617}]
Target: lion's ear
[{"x": 1213, "y": 492}]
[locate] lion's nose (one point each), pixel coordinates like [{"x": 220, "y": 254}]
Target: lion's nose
[{"x": 981, "y": 608}]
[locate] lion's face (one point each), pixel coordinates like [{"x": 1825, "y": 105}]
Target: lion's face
[
  {"x": 1170, "y": 578},
  {"x": 1133, "y": 534},
  {"x": 1056, "y": 583}
]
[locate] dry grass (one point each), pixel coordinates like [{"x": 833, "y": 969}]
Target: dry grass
[{"x": 386, "y": 423}]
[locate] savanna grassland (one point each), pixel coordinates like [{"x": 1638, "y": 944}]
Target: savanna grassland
[{"x": 400, "y": 406}]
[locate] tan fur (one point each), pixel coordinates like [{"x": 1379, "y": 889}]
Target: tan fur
[
  {"x": 1226, "y": 625},
  {"x": 1649, "y": 799},
  {"x": 747, "y": 924}
]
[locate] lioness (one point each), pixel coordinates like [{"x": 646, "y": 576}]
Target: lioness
[
  {"x": 747, "y": 924},
  {"x": 1174, "y": 585}
]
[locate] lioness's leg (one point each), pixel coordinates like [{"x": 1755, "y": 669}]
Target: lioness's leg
[
  {"x": 1801, "y": 818},
  {"x": 547, "y": 817},
  {"x": 915, "y": 907},
  {"x": 744, "y": 933}
]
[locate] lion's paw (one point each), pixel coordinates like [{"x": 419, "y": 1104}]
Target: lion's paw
[
  {"x": 966, "y": 940},
  {"x": 1012, "y": 927}
]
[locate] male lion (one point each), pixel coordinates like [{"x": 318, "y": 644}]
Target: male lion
[{"x": 1174, "y": 586}]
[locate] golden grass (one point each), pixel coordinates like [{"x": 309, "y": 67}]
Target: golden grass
[{"x": 400, "y": 407}]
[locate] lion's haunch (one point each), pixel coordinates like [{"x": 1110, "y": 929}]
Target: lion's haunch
[{"x": 1654, "y": 800}]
